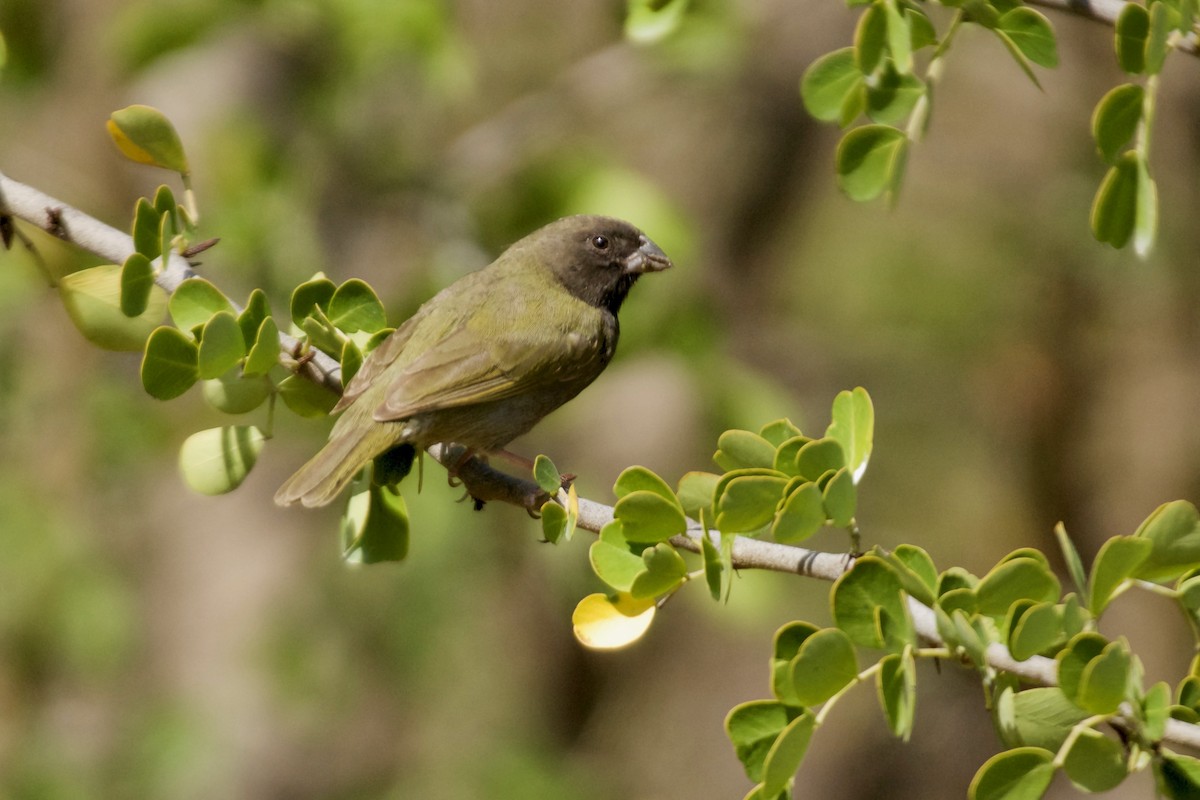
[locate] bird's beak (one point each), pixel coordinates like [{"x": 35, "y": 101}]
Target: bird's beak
[{"x": 649, "y": 257}]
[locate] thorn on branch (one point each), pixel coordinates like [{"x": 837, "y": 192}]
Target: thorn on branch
[
  {"x": 199, "y": 247},
  {"x": 6, "y": 231},
  {"x": 55, "y": 225}
]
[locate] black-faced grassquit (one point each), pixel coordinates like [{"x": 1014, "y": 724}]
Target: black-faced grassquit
[{"x": 486, "y": 358}]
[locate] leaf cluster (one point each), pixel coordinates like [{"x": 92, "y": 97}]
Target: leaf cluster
[
  {"x": 777, "y": 483},
  {"x": 879, "y": 77},
  {"x": 1098, "y": 725}
]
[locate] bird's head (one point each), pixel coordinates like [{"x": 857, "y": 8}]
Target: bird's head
[{"x": 598, "y": 259}]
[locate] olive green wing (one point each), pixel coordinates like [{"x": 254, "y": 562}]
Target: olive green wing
[
  {"x": 377, "y": 361},
  {"x": 470, "y": 365}
]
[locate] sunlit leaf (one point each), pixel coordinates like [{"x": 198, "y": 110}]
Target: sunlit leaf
[
  {"x": 604, "y": 622},
  {"x": 217, "y": 460}
]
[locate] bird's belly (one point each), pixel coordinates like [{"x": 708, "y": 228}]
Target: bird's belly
[{"x": 487, "y": 426}]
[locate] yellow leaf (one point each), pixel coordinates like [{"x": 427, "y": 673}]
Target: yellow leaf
[
  {"x": 127, "y": 147},
  {"x": 604, "y": 622}
]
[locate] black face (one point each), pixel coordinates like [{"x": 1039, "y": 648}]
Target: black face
[{"x": 598, "y": 259}]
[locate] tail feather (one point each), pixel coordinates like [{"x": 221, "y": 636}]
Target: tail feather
[{"x": 330, "y": 471}]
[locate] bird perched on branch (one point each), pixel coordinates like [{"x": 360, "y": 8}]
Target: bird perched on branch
[{"x": 486, "y": 358}]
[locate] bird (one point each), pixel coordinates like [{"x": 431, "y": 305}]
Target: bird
[{"x": 486, "y": 358}]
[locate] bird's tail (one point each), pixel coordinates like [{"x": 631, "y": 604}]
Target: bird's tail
[{"x": 327, "y": 473}]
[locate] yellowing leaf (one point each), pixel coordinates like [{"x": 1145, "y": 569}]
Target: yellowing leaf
[
  {"x": 605, "y": 622},
  {"x": 144, "y": 134}
]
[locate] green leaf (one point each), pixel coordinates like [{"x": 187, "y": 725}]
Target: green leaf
[
  {"x": 1174, "y": 530},
  {"x": 870, "y": 38},
  {"x": 829, "y": 82},
  {"x": 221, "y": 346},
  {"x": 753, "y": 728},
  {"x": 743, "y": 450},
  {"x": 1021, "y": 774},
  {"x": 92, "y": 299},
  {"x": 1041, "y": 717},
  {"x": 1032, "y": 34},
  {"x": 143, "y": 134},
  {"x": 1163, "y": 20},
  {"x": 1071, "y": 557},
  {"x": 316, "y": 292},
  {"x": 785, "y": 755},
  {"x": 1015, "y": 579},
  {"x": 1178, "y": 777},
  {"x": 916, "y": 571},
  {"x": 1103, "y": 681},
  {"x": 264, "y": 353},
  {"x": 853, "y": 427},
  {"x": 870, "y": 161},
  {"x": 665, "y": 571},
  {"x": 1114, "y": 210},
  {"x": 649, "y": 21},
  {"x": 869, "y": 585},
  {"x": 350, "y": 362},
  {"x": 714, "y": 566},
  {"x": 896, "y": 683},
  {"x": 217, "y": 460},
  {"x": 899, "y": 36},
  {"x": 554, "y": 521},
  {"x": 785, "y": 455},
  {"x": 611, "y": 559},
  {"x": 306, "y": 398},
  {"x": 322, "y": 334},
  {"x": 923, "y": 32},
  {"x": 355, "y": 307},
  {"x": 1116, "y": 562},
  {"x": 1093, "y": 672},
  {"x": 1156, "y": 710},
  {"x": 1095, "y": 763},
  {"x": 640, "y": 479},
  {"x": 891, "y": 99},
  {"x": 375, "y": 526},
  {"x": 547, "y": 476},
  {"x": 1133, "y": 28},
  {"x": 779, "y": 431},
  {"x": 169, "y": 365},
  {"x": 647, "y": 517},
  {"x": 696, "y": 492},
  {"x": 841, "y": 498},
  {"x": 195, "y": 302},
  {"x": 253, "y": 315},
  {"x": 1116, "y": 118},
  {"x": 818, "y": 457},
  {"x": 786, "y": 644},
  {"x": 824, "y": 665},
  {"x": 233, "y": 393},
  {"x": 165, "y": 205},
  {"x": 802, "y": 515},
  {"x": 748, "y": 502},
  {"x": 1037, "y": 629},
  {"x": 146, "y": 222}
]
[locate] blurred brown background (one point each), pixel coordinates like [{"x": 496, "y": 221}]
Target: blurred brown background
[{"x": 154, "y": 643}]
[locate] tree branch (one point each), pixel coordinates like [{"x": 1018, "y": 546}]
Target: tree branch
[
  {"x": 1107, "y": 12},
  {"x": 488, "y": 484},
  {"x": 87, "y": 233}
]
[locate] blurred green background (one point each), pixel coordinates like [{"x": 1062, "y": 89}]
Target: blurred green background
[{"x": 154, "y": 643}]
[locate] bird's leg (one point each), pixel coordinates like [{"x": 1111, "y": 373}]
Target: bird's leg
[{"x": 459, "y": 463}]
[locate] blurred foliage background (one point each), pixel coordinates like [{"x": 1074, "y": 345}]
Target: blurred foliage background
[{"x": 154, "y": 643}]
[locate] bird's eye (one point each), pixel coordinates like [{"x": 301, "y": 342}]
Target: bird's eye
[{"x": 600, "y": 242}]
